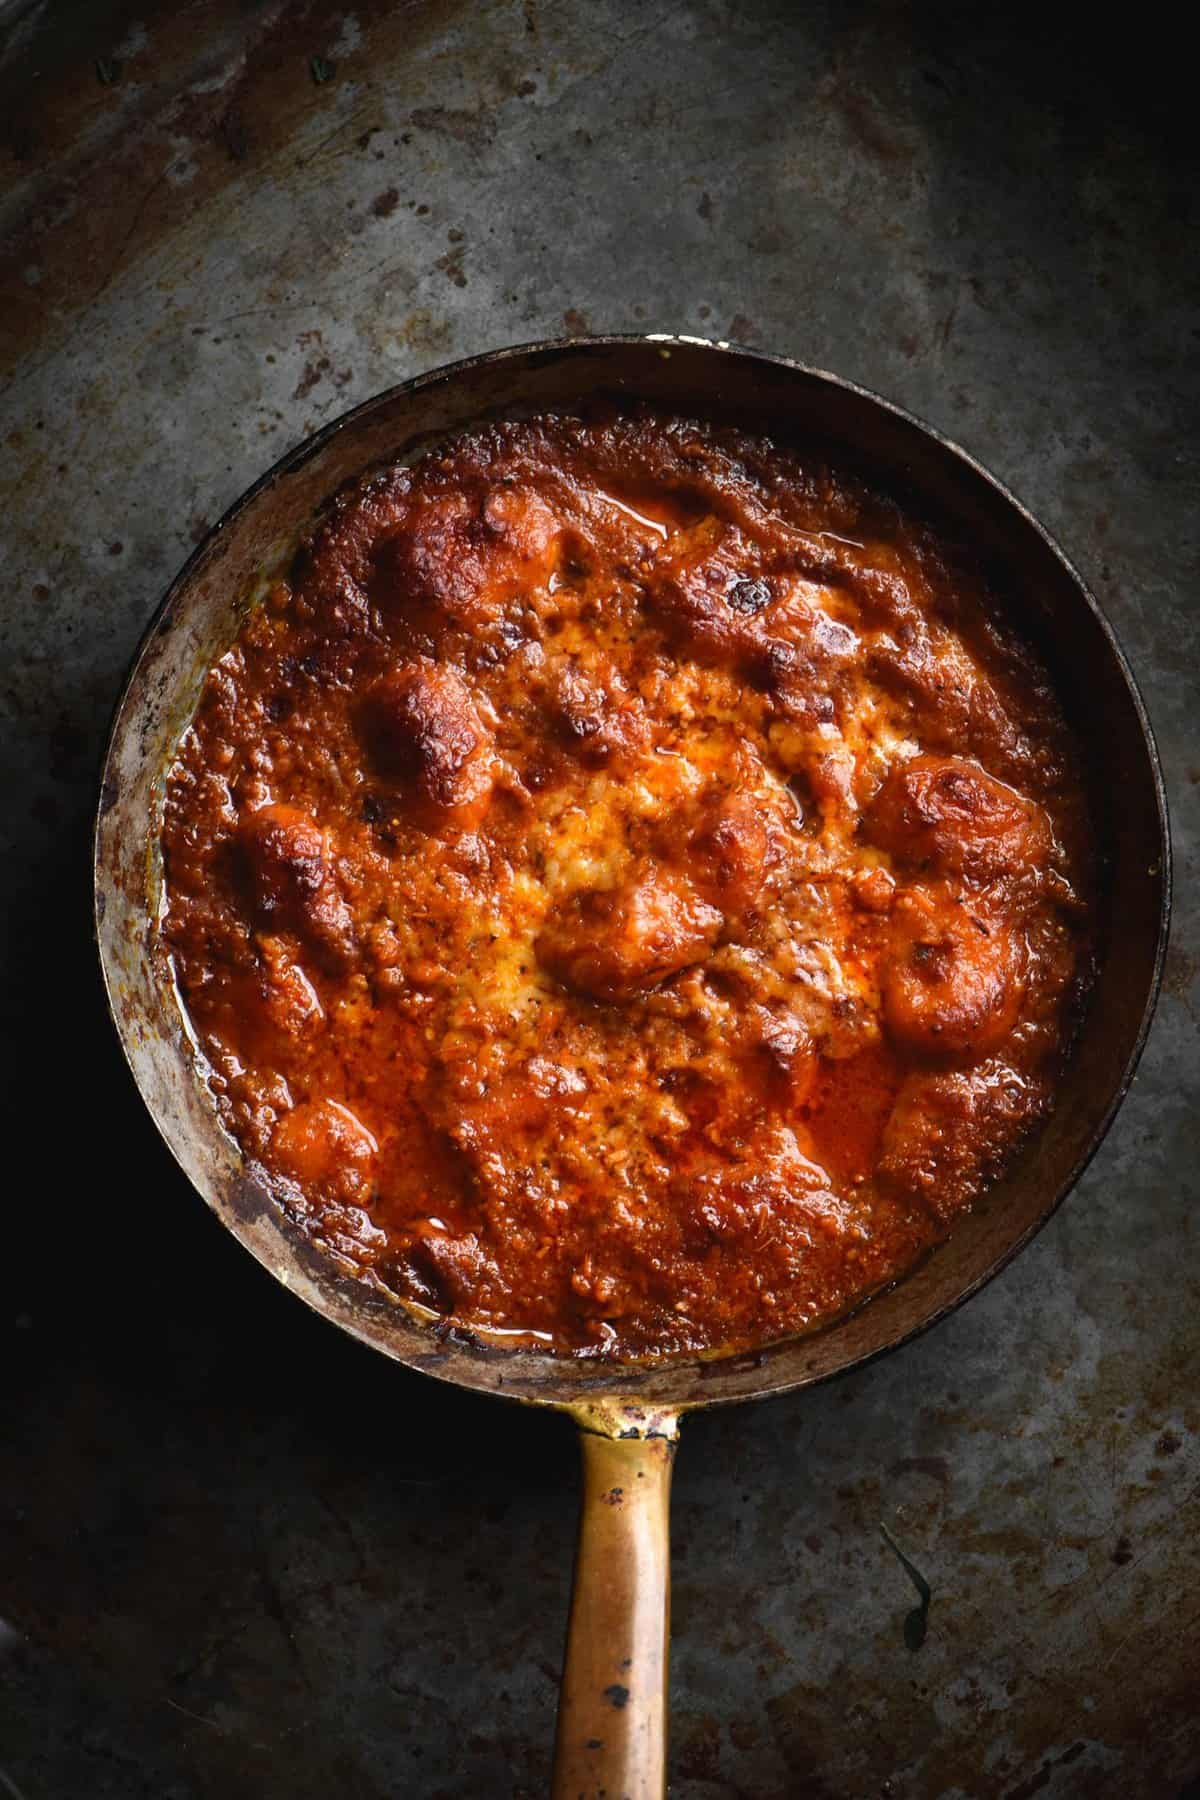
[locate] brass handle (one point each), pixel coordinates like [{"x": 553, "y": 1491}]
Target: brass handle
[{"x": 612, "y": 1709}]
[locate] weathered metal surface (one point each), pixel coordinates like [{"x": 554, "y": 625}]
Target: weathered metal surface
[{"x": 249, "y": 1558}]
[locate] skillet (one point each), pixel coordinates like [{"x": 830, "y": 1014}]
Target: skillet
[{"x": 612, "y": 1723}]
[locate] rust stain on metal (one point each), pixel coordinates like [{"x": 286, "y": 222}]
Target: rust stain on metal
[{"x": 219, "y": 100}]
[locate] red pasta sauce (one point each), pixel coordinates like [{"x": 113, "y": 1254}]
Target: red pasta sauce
[{"x": 630, "y": 893}]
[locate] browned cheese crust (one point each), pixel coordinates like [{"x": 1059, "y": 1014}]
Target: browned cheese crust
[{"x": 630, "y": 894}]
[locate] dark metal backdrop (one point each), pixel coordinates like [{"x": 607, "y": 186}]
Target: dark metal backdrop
[{"x": 239, "y": 1556}]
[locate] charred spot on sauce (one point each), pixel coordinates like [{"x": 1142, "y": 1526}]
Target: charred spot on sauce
[
  {"x": 625, "y": 898},
  {"x": 748, "y": 596}
]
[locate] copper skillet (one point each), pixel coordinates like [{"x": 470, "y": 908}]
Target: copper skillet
[{"x": 612, "y": 1711}]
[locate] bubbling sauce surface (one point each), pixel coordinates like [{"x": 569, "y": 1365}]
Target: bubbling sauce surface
[{"x": 629, "y": 892}]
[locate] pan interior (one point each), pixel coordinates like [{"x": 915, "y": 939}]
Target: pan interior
[{"x": 1048, "y": 604}]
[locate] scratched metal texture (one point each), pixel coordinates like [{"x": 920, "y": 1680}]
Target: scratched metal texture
[{"x": 238, "y": 1557}]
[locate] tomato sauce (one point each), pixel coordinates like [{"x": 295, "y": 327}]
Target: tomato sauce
[{"x": 629, "y": 892}]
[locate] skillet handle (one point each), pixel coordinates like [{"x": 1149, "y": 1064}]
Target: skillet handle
[{"x": 612, "y": 1708}]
